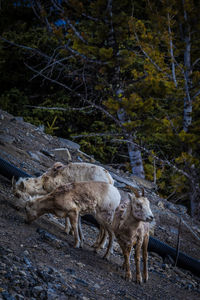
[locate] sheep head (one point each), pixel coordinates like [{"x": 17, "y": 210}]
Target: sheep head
[{"x": 141, "y": 208}]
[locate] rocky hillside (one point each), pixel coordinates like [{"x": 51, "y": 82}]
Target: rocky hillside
[{"x": 38, "y": 261}]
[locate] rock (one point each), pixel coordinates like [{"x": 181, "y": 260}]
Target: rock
[
  {"x": 27, "y": 261},
  {"x": 81, "y": 282},
  {"x": 33, "y": 155},
  {"x": 37, "y": 290},
  {"x": 43, "y": 275},
  {"x": 40, "y": 128},
  {"x": 173, "y": 230},
  {"x": 19, "y": 297},
  {"x": 62, "y": 154},
  {"x": 97, "y": 286},
  {"x": 81, "y": 265},
  {"x": 70, "y": 271},
  {"x": 72, "y": 292},
  {"x": 19, "y": 119},
  {"x": 6, "y": 139},
  {"x": 7, "y": 296},
  {"x": 21, "y": 272},
  {"x": 161, "y": 205},
  {"x": 169, "y": 260},
  {"x": 47, "y": 153},
  {"x": 51, "y": 294},
  {"x": 49, "y": 237},
  {"x": 69, "y": 144},
  {"x": 165, "y": 266}
]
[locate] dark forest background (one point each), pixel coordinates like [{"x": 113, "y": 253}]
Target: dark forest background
[{"x": 121, "y": 78}]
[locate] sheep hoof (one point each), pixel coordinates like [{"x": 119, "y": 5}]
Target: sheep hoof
[
  {"x": 145, "y": 279},
  {"x": 77, "y": 245},
  {"x": 128, "y": 277},
  {"x": 106, "y": 257},
  {"x": 139, "y": 279}
]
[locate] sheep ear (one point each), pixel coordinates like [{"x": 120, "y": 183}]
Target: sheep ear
[
  {"x": 136, "y": 192},
  {"x": 131, "y": 196},
  {"x": 22, "y": 186}
]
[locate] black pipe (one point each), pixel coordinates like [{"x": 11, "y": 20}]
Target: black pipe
[
  {"x": 164, "y": 250},
  {"x": 184, "y": 261},
  {"x": 10, "y": 171}
]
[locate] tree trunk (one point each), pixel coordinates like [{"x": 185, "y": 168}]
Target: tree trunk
[
  {"x": 134, "y": 153},
  {"x": 135, "y": 160}
]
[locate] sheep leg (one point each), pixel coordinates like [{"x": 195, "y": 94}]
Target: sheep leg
[
  {"x": 74, "y": 216},
  {"x": 126, "y": 265},
  {"x": 80, "y": 231},
  {"x": 145, "y": 258},
  {"x": 67, "y": 225},
  {"x": 101, "y": 239},
  {"x": 110, "y": 244},
  {"x": 137, "y": 261}
]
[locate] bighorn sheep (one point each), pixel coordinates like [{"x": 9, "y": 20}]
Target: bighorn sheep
[
  {"x": 78, "y": 198},
  {"x": 131, "y": 227},
  {"x": 60, "y": 174},
  {"x": 57, "y": 175}
]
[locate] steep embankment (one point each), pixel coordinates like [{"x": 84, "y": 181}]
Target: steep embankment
[{"x": 39, "y": 262}]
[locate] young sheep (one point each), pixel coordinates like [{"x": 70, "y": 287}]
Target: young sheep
[
  {"x": 131, "y": 227},
  {"x": 78, "y": 198},
  {"x": 57, "y": 175}
]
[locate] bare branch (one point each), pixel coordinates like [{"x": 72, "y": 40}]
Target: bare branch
[
  {"x": 147, "y": 55},
  {"x": 165, "y": 162},
  {"x": 150, "y": 59},
  {"x": 195, "y": 62},
  {"x": 95, "y": 134},
  {"x": 190, "y": 229},
  {"x": 59, "y": 108},
  {"x": 75, "y": 31},
  {"x": 195, "y": 95},
  {"x": 99, "y": 107},
  {"x": 85, "y": 57}
]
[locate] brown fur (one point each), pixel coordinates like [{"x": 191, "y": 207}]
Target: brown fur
[
  {"x": 131, "y": 228},
  {"x": 57, "y": 175},
  {"x": 97, "y": 198}
]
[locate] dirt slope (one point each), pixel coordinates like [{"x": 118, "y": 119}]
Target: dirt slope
[{"x": 38, "y": 261}]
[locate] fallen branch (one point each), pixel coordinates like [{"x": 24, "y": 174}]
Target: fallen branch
[{"x": 59, "y": 108}]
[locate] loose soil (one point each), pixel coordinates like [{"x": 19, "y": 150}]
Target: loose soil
[{"x": 78, "y": 273}]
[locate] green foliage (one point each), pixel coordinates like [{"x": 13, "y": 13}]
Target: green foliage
[
  {"x": 97, "y": 55},
  {"x": 14, "y": 101}
]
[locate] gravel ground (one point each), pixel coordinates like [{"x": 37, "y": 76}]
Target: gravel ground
[{"x": 38, "y": 261}]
